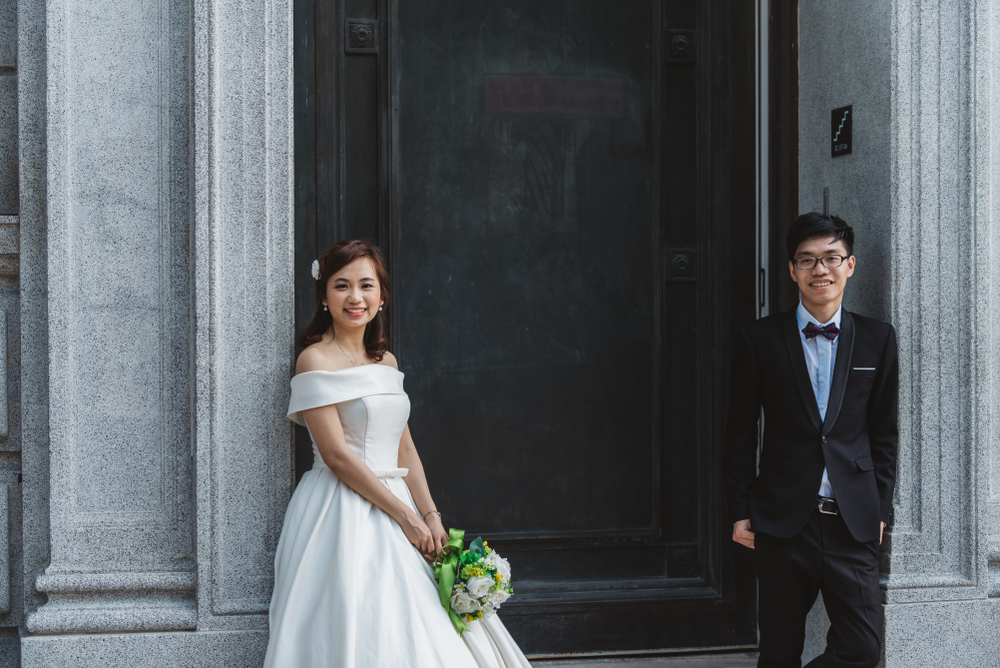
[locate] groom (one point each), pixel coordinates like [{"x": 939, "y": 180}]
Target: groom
[{"x": 827, "y": 382}]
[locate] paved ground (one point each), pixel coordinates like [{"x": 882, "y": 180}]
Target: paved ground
[{"x": 703, "y": 661}]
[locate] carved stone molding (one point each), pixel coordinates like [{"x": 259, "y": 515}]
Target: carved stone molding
[
  {"x": 244, "y": 301},
  {"x": 118, "y": 244},
  {"x": 944, "y": 303},
  {"x": 5, "y": 572}
]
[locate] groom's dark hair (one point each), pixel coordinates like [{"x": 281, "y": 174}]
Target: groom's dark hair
[{"x": 817, "y": 225}]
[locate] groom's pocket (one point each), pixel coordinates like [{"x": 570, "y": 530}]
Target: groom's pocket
[
  {"x": 860, "y": 384},
  {"x": 774, "y": 463}
]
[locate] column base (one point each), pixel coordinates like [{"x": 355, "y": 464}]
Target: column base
[
  {"x": 948, "y": 634},
  {"x": 184, "y": 649},
  {"x": 944, "y": 634},
  {"x": 114, "y": 602}
]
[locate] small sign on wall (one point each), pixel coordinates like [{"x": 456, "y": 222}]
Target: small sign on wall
[{"x": 841, "y": 121}]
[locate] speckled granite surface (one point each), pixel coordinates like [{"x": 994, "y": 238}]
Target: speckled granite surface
[
  {"x": 118, "y": 248},
  {"x": 920, "y": 190},
  {"x": 741, "y": 660},
  {"x": 147, "y": 650},
  {"x": 169, "y": 451}
]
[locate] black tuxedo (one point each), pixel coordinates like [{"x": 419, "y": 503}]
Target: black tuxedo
[
  {"x": 856, "y": 442},
  {"x": 799, "y": 550}
]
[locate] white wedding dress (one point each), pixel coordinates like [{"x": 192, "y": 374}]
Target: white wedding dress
[{"x": 349, "y": 589}]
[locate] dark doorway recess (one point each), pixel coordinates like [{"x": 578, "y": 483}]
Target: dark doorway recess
[
  {"x": 783, "y": 59},
  {"x": 565, "y": 192}
]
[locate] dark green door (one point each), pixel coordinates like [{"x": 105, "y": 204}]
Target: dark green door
[{"x": 564, "y": 190}]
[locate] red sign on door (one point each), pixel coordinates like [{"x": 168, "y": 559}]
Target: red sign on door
[{"x": 586, "y": 97}]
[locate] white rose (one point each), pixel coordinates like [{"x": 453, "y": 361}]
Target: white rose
[
  {"x": 499, "y": 563},
  {"x": 463, "y": 603},
  {"x": 478, "y": 586},
  {"x": 498, "y": 597}
]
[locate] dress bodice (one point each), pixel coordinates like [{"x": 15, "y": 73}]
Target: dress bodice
[{"x": 373, "y": 410}]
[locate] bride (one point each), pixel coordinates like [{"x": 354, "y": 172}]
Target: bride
[{"x": 352, "y": 583}]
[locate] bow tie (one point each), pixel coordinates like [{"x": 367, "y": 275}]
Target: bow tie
[{"x": 812, "y": 331}]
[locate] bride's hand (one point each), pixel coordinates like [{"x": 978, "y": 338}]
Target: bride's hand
[
  {"x": 438, "y": 531},
  {"x": 418, "y": 534}
]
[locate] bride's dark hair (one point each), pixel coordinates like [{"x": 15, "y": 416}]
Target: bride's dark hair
[{"x": 333, "y": 260}]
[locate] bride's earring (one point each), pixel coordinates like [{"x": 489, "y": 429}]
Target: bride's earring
[
  {"x": 324, "y": 307},
  {"x": 379, "y": 308}
]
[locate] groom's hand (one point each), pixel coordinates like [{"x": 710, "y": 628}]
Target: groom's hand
[
  {"x": 742, "y": 533},
  {"x": 880, "y": 531}
]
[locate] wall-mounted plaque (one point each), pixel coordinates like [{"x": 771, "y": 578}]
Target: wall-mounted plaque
[{"x": 841, "y": 122}]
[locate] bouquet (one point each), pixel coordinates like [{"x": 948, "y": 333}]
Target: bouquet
[{"x": 473, "y": 582}]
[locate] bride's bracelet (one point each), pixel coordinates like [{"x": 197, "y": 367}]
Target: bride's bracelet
[{"x": 424, "y": 516}]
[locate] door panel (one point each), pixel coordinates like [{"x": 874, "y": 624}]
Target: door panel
[
  {"x": 527, "y": 270},
  {"x": 557, "y": 187}
]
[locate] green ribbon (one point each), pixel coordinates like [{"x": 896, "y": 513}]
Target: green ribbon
[{"x": 445, "y": 571}]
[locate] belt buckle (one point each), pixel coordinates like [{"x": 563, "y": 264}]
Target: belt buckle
[{"x": 822, "y": 506}]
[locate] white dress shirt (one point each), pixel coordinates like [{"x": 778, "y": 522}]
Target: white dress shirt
[{"x": 821, "y": 354}]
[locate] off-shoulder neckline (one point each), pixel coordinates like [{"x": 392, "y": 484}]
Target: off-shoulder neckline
[{"x": 349, "y": 368}]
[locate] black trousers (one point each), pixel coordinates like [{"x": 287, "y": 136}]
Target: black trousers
[{"x": 790, "y": 573}]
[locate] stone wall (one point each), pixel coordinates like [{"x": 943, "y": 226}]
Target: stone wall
[
  {"x": 921, "y": 189},
  {"x": 33, "y": 330},
  {"x": 156, "y": 317}
]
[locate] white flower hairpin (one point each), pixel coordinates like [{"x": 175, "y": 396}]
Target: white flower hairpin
[{"x": 315, "y": 269}]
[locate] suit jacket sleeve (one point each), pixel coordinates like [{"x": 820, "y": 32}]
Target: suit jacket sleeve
[
  {"x": 741, "y": 431},
  {"x": 883, "y": 424}
]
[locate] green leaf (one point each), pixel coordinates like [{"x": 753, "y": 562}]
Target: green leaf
[{"x": 477, "y": 548}]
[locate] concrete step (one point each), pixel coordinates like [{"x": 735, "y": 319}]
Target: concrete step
[{"x": 747, "y": 660}]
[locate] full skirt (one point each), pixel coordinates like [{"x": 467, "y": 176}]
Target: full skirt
[{"x": 351, "y": 592}]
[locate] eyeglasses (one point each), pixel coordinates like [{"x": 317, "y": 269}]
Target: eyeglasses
[{"x": 830, "y": 262}]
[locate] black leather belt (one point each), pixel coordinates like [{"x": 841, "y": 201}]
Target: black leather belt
[{"x": 827, "y": 506}]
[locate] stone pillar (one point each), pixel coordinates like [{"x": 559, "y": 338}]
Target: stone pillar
[
  {"x": 119, "y": 276},
  {"x": 244, "y": 250},
  {"x": 922, "y": 189},
  {"x": 941, "y": 593},
  {"x": 170, "y": 330}
]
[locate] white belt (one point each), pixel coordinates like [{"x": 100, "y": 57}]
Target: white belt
[
  {"x": 390, "y": 473},
  {"x": 379, "y": 473}
]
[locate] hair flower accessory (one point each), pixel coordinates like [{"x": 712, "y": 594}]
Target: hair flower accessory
[{"x": 315, "y": 269}]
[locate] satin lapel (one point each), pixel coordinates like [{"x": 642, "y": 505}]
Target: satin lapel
[
  {"x": 841, "y": 370},
  {"x": 793, "y": 342}
]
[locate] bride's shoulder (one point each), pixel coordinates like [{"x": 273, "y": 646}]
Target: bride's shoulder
[
  {"x": 390, "y": 360},
  {"x": 317, "y": 358}
]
